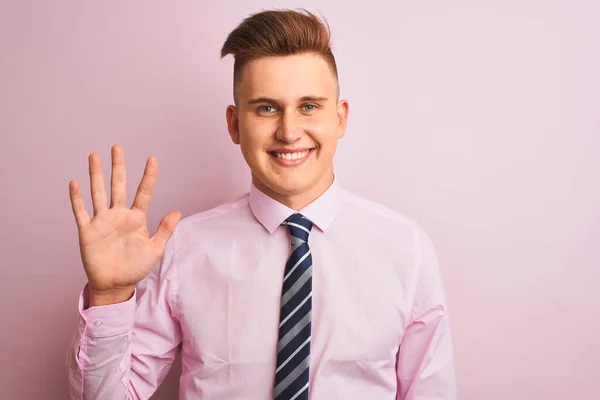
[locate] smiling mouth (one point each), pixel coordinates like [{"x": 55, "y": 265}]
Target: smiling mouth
[{"x": 291, "y": 158}]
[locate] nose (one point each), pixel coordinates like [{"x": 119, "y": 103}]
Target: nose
[{"x": 289, "y": 129}]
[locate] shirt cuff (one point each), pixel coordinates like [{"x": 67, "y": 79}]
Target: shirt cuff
[{"x": 109, "y": 320}]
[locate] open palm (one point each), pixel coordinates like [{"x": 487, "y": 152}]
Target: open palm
[{"x": 116, "y": 248}]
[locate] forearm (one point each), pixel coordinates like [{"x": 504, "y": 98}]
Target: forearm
[
  {"x": 99, "y": 368},
  {"x": 99, "y": 359}
]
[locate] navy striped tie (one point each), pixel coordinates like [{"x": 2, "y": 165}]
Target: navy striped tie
[{"x": 293, "y": 349}]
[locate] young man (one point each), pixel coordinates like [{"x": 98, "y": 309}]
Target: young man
[{"x": 299, "y": 289}]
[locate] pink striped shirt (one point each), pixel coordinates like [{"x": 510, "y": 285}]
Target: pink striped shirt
[{"x": 380, "y": 328}]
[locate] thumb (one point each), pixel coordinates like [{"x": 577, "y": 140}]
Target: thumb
[{"x": 165, "y": 229}]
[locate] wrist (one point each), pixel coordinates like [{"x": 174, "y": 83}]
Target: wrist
[{"x": 109, "y": 296}]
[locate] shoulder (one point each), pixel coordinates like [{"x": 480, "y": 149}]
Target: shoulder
[
  {"x": 198, "y": 232},
  {"x": 370, "y": 209},
  {"x": 214, "y": 217},
  {"x": 382, "y": 221}
]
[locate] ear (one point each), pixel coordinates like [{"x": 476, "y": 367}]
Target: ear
[
  {"x": 233, "y": 123},
  {"x": 342, "y": 111}
]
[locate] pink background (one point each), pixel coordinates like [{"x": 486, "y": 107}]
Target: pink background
[{"x": 481, "y": 120}]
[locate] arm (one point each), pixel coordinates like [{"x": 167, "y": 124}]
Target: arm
[
  {"x": 124, "y": 351},
  {"x": 425, "y": 366}
]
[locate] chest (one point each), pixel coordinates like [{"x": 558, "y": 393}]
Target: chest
[{"x": 229, "y": 303}]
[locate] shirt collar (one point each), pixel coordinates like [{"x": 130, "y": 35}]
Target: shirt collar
[{"x": 321, "y": 212}]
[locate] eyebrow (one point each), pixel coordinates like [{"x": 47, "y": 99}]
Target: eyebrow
[
  {"x": 313, "y": 98},
  {"x": 270, "y": 100}
]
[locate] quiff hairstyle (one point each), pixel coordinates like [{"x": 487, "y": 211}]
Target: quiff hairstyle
[{"x": 278, "y": 33}]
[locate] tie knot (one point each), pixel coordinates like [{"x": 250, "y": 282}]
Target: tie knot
[{"x": 299, "y": 226}]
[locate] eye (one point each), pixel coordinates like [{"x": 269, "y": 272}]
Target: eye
[
  {"x": 266, "y": 109},
  {"x": 309, "y": 107}
]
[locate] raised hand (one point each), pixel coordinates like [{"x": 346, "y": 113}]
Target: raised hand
[{"x": 116, "y": 249}]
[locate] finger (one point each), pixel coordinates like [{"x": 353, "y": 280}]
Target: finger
[
  {"x": 81, "y": 215},
  {"x": 118, "y": 188},
  {"x": 165, "y": 229},
  {"x": 146, "y": 187},
  {"x": 97, "y": 184}
]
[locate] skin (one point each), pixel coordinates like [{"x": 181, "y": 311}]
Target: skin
[
  {"x": 116, "y": 248},
  {"x": 288, "y": 102},
  {"x": 284, "y": 103}
]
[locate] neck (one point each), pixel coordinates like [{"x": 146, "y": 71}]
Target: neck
[{"x": 297, "y": 201}]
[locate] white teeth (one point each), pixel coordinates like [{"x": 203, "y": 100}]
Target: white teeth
[{"x": 292, "y": 156}]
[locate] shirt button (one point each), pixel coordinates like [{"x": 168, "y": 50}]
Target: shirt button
[{"x": 97, "y": 322}]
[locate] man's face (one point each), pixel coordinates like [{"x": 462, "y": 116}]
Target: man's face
[{"x": 287, "y": 122}]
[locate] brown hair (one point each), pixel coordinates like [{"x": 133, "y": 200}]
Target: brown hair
[{"x": 278, "y": 33}]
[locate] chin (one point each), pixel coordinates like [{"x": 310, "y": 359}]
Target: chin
[
  {"x": 287, "y": 186},
  {"x": 290, "y": 187}
]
